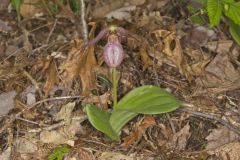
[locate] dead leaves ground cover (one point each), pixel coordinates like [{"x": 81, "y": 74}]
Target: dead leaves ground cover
[{"x": 47, "y": 74}]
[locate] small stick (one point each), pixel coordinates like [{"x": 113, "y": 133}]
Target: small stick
[
  {"x": 17, "y": 116},
  {"x": 53, "y": 28},
  {"x": 34, "y": 82},
  {"x": 84, "y": 24},
  {"x": 211, "y": 117}
]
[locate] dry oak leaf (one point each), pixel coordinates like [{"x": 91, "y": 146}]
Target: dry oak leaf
[
  {"x": 81, "y": 61},
  {"x": 7, "y": 102},
  {"x": 115, "y": 156},
  {"x": 112, "y": 5},
  {"x": 30, "y": 8},
  {"x": 138, "y": 130},
  {"x": 220, "y": 136},
  {"x": 228, "y": 151},
  {"x": 200, "y": 61},
  {"x": 79, "y": 154},
  {"x": 221, "y": 75},
  {"x": 52, "y": 77},
  {"x": 145, "y": 57},
  {"x": 102, "y": 100},
  {"x": 173, "y": 51},
  {"x": 179, "y": 140},
  {"x": 6, "y": 154}
]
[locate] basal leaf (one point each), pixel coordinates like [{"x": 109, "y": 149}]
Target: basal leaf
[
  {"x": 214, "y": 9},
  {"x": 119, "y": 118},
  {"x": 148, "y": 100},
  {"x": 143, "y": 100},
  {"x": 235, "y": 32},
  {"x": 100, "y": 120}
]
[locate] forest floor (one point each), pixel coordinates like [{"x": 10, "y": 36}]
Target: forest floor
[{"x": 46, "y": 78}]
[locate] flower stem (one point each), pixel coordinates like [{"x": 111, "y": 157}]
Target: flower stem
[{"x": 114, "y": 77}]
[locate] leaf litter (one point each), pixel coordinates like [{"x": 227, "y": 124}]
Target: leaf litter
[{"x": 197, "y": 64}]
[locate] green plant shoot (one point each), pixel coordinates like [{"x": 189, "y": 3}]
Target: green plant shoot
[
  {"x": 17, "y": 4},
  {"x": 58, "y": 153}
]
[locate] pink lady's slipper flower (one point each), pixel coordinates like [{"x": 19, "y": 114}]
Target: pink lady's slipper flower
[{"x": 113, "y": 52}]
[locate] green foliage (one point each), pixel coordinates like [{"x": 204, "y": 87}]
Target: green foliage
[
  {"x": 17, "y": 4},
  {"x": 229, "y": 8},
  {"x": 197, "y": 19},
  {"x": 51, "y": 6},
  {"x": 143, "y": 100},
  {"x": 100, "y": 120},
  {"x": 214, "y": 8},
  {"x": 196, "y": 12},
  {"x": 235, "y": 32},
  {"x": 232, "y": 10},
  {"x": 58, "y": 153},
  {"x": 104, "y": 80},
  {"x": 75, "y": 6},
  {"x": 148, "y": 100}
]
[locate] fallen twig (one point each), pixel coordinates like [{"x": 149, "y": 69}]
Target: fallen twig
[
  {"x": 53, "y": 28},
  {"x": 17, "y": 116},
  {"x": 84, "y": 24},
  {"x": 211, "y": 117}
]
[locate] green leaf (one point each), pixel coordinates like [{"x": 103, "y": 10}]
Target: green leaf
[
  {"x": 75, "y": 6},
  {"x": 119, "y": 118},
  {"x": 103, "y": 79},
  {"x": 235, "y": 32},
  {"x": 143, "y": 100},
  {"x": 148, "y": 100},
  {"x": 214, "y": 9},
  {"x": 16, "y": 4},
  {"x": 197, "y": 20},
  {"x": 58, "y": 153},
  {"x": 100, "y": 120},
  {"x": 232, "y": 10}
]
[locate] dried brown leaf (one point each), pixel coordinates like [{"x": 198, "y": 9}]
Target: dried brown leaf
[
  {"x": 4, "y": 26},
  {"x": 81, "y": 61},
  {"x": 179, "y": 140},
  {"x": 145, "y": 57},
  {"x": 114, "y": 155},
  {"x": 29, "y": 8},
  {"x": 102, "y": 100},
  {"x": 228, "y": 151},
  {"x": 7, "y": 102},
  {"x": 4, "y": 4},
  {"x": 52, "y": 77},
  {"x": 63, "y": 135},
  {"x": 138, "y": 131},
  {"x": 150, "y": 22},
  {"x": 173, "y": 51},
  {"x": 199, "y": 62},
  {"x": 6, "y": 154},
  {"x": 220, "y": 136},
  {"x": 198, "y": 36},
  {"x": 223, "y": 46},
  {"x": 26, "y": 145},
  {"x": 65, "y": 112},
  {"x": 79, "y": 154},
  {"x": 112, "y": 5},
  {"x": 221, "y": 75}
]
